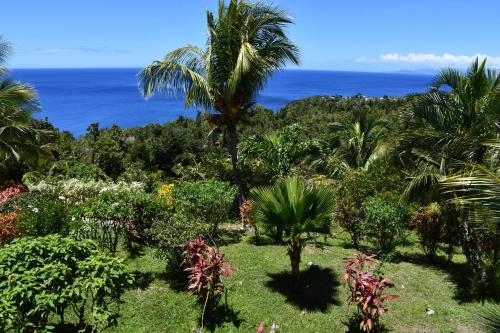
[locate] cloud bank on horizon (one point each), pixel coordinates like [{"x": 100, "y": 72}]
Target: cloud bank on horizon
[{"x": 431, "y": 59}]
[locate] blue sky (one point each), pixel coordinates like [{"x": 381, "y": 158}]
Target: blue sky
[{"x": 361, "y": 35}]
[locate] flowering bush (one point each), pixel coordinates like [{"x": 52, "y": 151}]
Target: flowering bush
[
  {"x": 205, "y": 267},
  {"x": 166, "y": 192},
  {"x": 42, "y": 216},
  {"x": 367, "y": 292},
  {"x": 105, "y": 219},
  {"x": 429, "y": 228},
  {"x": 76, "y": 190},
  {"x": 11, "y": 191},
  {"x": 8, "y": 227}
]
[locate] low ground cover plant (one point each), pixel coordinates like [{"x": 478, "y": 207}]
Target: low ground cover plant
[{"x": 49, "y": 276}]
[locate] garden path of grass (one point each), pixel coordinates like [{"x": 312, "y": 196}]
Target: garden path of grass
[{"x": 258, "y": 291}]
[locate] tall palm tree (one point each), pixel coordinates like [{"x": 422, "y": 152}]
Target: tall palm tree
[
  {"x": 19, "y": 140},
  {"x": 476, "y": 189},
  {"x": 446, "y": 132},
  {"x": 444, "y": 127},
  {"x": 298, "y": 206},
  {"x": 246, "y": 44}
]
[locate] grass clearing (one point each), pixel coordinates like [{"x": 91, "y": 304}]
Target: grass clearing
[{"x": 259, "y": 291}]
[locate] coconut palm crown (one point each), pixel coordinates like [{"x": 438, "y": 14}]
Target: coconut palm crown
[{"x": 246, "y": 43}]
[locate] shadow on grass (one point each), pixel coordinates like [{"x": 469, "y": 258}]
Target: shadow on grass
[
  {"x": 223, "y": 314},
  {"x": 229, "y": 236},
  {"x": 458, "y": 273},
  {"x": 319, "y": 288}
]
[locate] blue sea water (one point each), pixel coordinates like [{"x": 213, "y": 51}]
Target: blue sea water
[{"x": 73, "y": 98}]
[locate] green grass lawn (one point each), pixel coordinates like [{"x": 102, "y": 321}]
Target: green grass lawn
[{"x": 259, "y": 291}]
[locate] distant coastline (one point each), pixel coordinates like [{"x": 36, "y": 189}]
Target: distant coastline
[{"x": 74, "y": 98}]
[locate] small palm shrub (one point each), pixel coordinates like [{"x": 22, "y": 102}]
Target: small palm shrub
[
  {"x": 47, "y": 276},
  {"x": 208, "y": 200},
  {"x": 298, "y": 207},
  {"x": 8, "y": 227},
  {"x": 384, "y": 223},
  {"x": 367, "y": 292},
  {"x": 205, "y": 267},
  {"x": 429, "y": 228}
]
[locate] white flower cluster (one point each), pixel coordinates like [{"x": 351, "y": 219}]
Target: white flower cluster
[{"x": 78, "y": 190}]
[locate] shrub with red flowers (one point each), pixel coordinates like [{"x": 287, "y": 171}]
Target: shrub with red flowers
[
  {"x": 10, "y": 191},
  {"x": 367, "y": 292},
  {"x": 8, "y": 228},
  {"x": 205, "y": 267}
]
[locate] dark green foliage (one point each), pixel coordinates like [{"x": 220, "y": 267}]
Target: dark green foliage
[
  {"x": 43, "y": 216},
  {"x": 45, "y": 276},
  {"x": 169, "y": 236},
  {"x": 384, "y": 223},
  {"x": 208, "y": 201}
]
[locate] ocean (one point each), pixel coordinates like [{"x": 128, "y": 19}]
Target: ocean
[{"x": 71, "y": 99}]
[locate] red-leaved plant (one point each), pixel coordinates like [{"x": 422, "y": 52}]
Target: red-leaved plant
[
  {"x": 10, "y": 191},
  {"x": 205, "y": 267},
  {"x": 367, "y": 291}
]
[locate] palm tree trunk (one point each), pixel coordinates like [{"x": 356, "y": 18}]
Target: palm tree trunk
[
  {"x": 233, "y": 150},
  {"x": 294, "y": 251}
]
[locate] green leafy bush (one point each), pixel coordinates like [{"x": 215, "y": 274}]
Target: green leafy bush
[
  {"x": 209, "y": 200},
  {"x": 429, "y": 228},
  {"x": 146, "y": 209},
  {"x": 384, "y": 223},
  {"x": 43, "y": 216},
  {"x": 46, "y": 276},
  {"x": 169, "y": 236},
  {"x": 106, "y": 218}
]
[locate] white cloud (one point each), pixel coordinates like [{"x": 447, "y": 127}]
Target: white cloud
[{"x": 431, "y": 59}]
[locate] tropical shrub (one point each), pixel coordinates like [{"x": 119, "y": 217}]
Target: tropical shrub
[
  {"x": 46, "y": 276},
  {"x": 205, "y": 267},
  {"x": 429, "y": 228},
  {"x": 384, "y": 223},
  {"x": 75, "y": 190},
  {"x": 8, "y": 227},
  {"x": 44, "y": 216},
  {"x": 298, "y": 207},
  {"x": 207, "y": 200},
  {"x": 146, "y": 209},
  {"x": 245, "y": 213},
  {"x": 166, "y": 192},
  {"x": 11, "y": 191},
  {"x": 106, "y": 218},
  {"x": 367, "y": 292},
  {"x": 169, "y": 236}
]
